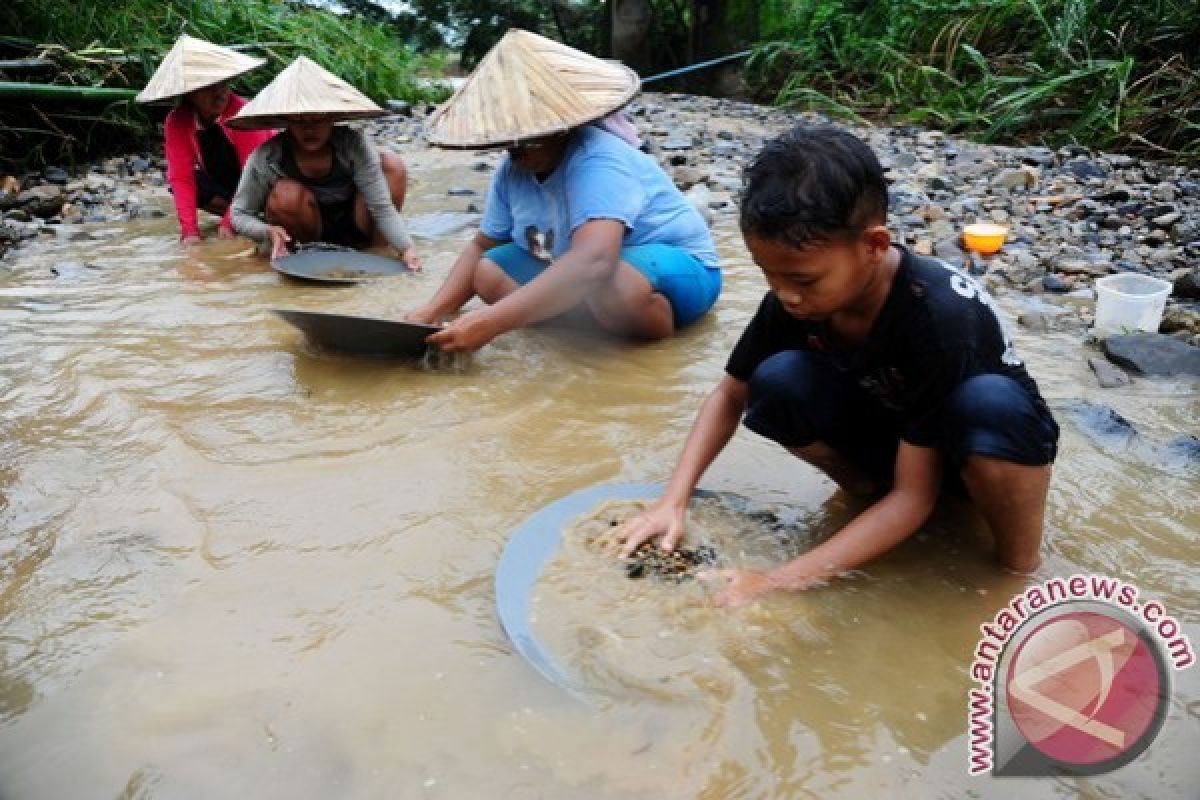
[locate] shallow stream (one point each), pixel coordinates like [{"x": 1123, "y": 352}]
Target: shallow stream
[{"x": 231, "y": 566}]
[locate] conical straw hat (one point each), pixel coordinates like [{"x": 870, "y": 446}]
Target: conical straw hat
[
  {"x": 304, "y": 88},
  {"x": 529, "y": 86},
  {"x": 193, "y": 64}
]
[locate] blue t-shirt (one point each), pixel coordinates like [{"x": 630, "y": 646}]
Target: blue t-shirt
[{"x": 600, "y": 177}]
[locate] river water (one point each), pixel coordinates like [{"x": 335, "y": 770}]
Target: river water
[{"x": 231, "y": 566}]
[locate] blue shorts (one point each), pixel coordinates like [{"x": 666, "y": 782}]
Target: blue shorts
[
  {"x": 798, "y": 397},
  {"x": 689, "y": 286}
]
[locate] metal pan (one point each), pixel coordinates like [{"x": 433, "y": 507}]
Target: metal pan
[
  {"x": 361, "y": 335},
  {"x": 337, "y": 266},
  {"x": 528, "y": 550}
]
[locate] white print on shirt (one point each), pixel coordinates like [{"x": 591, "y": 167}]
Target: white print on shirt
[
  {"x": 966, "y": 286},
  {"x": 539, "y": 244}
]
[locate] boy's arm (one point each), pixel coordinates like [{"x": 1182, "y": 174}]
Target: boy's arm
[
  {"x": 889, "y": 521},
  {"x": 714, "y": 427}
]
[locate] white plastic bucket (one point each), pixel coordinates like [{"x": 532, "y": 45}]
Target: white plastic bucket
[{"x": 1129, "y": 302}]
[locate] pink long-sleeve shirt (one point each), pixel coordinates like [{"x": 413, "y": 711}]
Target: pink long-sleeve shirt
[{"x": 183, "y": 156}]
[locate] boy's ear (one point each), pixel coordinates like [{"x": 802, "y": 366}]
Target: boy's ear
[{"x": 878, "y": 238}]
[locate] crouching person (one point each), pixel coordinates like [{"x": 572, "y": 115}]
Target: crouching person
[{"x": 888, "y": 371}]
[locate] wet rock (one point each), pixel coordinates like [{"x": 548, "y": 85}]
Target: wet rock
[
  {"x": 401, "y": 107},
  {"x": 1179, "y": 317},
  {"x": 95, "y": 182},
  {"x": 17, "y": 215},
  {"x": 1164, "y": 193},
  {"x": 1083, "y": 266},
  {"x": 460, "y": 191},
  {"x": 71, "y": 233},
  {"x": 1153, "y": 354},
  {"x": 949, "y": 250},
  {"x": 1166, "y": 220},
  {"x": 1102, "y": 424},
  {"x": 481, "y": 166},
  {"x": 440, "y": 223},
  {"x": 1108, "y": 375},
  {"x": 1184, "y": 451},
  {"x": 1186, "y": 231},
  {"x": 68, "y": 270},
  {"x": 687, "y": 177},
  {"x": 42, "y": 201},
  {"x": 1023, "y": 178},
  {"x": 137, "y": 164},
  {"x": 1113, "y": 196},
  {"x": 1084, "y": 169},
  {"x": 1187, "y": 285},
  {"x": 674, "y": 143},
  {"x": 1038, "y": 156},
  {"x": 56, "y": 175},
  {"x": 1043, "y": 321},
  {"x": 675, "y": 567},
  {"x": 1055, "y": 283}
]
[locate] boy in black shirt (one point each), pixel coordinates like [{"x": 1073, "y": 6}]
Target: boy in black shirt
[{"x": 881, "y": 368}]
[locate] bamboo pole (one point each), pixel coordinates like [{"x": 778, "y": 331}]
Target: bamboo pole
[{"x": 15, "y": 90}]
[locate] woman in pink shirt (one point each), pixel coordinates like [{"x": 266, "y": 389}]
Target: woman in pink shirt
[{"x": 204, "y": 157}]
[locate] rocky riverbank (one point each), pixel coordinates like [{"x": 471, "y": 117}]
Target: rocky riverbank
[{"x": 1074, "y": 216}]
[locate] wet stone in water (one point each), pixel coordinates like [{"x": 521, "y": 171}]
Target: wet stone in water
[{"x": 676, "y": 567}]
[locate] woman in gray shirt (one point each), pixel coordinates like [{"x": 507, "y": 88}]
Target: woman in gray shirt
[{"x": 318, "y": 181}]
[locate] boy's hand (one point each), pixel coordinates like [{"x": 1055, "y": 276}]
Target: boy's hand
[
  {"x": 742, "y": 586},
  {"x": 663, "y": 519},
  {"x": 190, "y": 240}
]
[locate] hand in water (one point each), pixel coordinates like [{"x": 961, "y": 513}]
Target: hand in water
[
  {"x": 225, "y": 232},
  {"x": 189, "y": 241},
  {"x": 466, "y": 334},
  {"x": 662, "y": 519},
  {"x": 279, "y": 238},
  {"x": 741, "y": 586},
  {"x": 412, "y": 260}
]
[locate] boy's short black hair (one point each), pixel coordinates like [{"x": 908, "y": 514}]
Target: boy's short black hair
[{"x": 811, "y": 185}]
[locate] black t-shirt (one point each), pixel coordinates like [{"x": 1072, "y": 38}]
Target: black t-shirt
[
  {"x": 219, "y": 156},
  {"x": 937, "y": 328}
]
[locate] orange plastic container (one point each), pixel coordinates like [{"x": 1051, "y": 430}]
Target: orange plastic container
[{"x": 984, "y": 237}]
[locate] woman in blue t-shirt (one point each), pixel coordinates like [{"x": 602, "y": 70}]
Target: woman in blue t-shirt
[{"x": 575, "y": 215}]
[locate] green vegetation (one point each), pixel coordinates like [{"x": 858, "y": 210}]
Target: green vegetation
[
  {"x": 118, "y": 43},
  {"x": 1108, "y": 74}
]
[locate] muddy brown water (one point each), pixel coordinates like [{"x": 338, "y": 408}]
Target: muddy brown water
[{"x": 236, "y": 567}]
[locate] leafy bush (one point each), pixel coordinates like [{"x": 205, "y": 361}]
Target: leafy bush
[
  {"x": 1104, "y": 73},
  {"x": 120, "y": 42}
]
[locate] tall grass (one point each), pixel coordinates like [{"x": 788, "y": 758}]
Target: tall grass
[
  {"x": 120, "y": 42},
  {"x": 1118, "y": 74}
]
